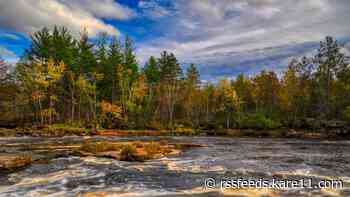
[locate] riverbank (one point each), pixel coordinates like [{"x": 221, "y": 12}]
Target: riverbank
[{"x": 60, "y": 131}]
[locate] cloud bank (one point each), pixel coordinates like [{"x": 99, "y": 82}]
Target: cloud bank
[
  {"x": 7, "y": 55},
  {"x": 230, "y": 36},
  {"x": 223, "y": 37},
  {"x": 31, "y": 15}
]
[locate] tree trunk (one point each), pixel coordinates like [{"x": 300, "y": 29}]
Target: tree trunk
[
  {"x": 40, "y": 111},
  {"x": 72, "y": 106},
  {"x": 228, "y": 121},
  {"x": 50, "y": 109}
]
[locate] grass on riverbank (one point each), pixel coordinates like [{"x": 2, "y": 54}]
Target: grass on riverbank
[
  {"x": 46, "y": 131},
  {"x": 58, "y": 130}
]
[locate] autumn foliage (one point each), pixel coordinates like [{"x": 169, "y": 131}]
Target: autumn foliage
[{"x": 100, "y": 84}]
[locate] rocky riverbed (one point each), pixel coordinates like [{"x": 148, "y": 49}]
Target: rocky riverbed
[{"x": 56, "y": 168}]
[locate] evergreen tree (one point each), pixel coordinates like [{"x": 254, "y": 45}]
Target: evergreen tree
[
  {"x": 86, "y": 60},
  {"x": 115, "y": 58},
  {"x": 192, "y": 95},
  {"x": 104, "y": 67},
  {"x": 330, "y": 62},
  {"x": 170, "y": 77},
  {"x": 151, "y": 70},
  {"x": 192, "y": 75},
  {"x": 243, "y": 87},
  {"x": 40, "y": 46},
  {"x": 130, "y": 63}
]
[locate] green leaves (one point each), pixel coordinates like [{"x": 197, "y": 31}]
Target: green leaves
[
  {"x": 152, "y": 71},
  {"x": 347, "y": 113}
]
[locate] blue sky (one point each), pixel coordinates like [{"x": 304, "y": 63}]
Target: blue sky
[{"x": 223, "y": 38}]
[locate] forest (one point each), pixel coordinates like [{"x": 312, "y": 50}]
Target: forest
[{"x": 80, "y": 82}]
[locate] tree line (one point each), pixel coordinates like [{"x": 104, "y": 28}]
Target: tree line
[{"x": 61, "y": 79}]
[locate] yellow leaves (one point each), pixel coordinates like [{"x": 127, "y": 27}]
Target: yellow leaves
[
  {"x": 129, "y": 71},
  {"x": 229, "y": 95},
  {"x": 42, "y": 82},
  {"x": 54, "y": 98},
  {"x": 114, "y": 110},
  {"x": 39, "y": 76},
  {"x": 139, "y": 88},
  {"x": 228, "y": 91},
  {"x": 83, "y": 84},
  {"x": 48, "y": 112},
  {"x": 97, "y": 76},
  {"x": 119, "y": 71},
  {"x": 46, "y": 76},
  {"x": 54, "y": 70},
  {"x": 290, "y": 90}
]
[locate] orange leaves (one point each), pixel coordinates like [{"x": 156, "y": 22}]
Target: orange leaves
[
  {"x": 36, "y": 95},
  {"x": 139, "y": 88},
  {"x": 112, "y": 109}
]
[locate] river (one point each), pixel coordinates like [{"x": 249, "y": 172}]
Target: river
[{"x": 222, "y": 158}]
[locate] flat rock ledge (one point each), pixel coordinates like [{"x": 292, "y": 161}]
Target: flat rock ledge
[{"x": 14, "y": 162}]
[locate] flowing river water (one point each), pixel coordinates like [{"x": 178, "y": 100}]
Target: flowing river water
[{"x": 180, "y": 175}]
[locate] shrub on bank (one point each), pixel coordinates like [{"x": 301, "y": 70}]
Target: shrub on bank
[
  {"x": 129, "y": 153},
  {"x": 347, "y": 113},
  {"x": 99, "y": 147},
  {"x": 181, "y": 130},
  {"x": 252, "y": 132},
  {"x": 152, "y": 148},
  {"x": 64, "y": 129},
  {"x": 258, "y": 121}
]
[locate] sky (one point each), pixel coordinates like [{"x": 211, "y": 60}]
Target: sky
[{"x": 222, "y": 37}]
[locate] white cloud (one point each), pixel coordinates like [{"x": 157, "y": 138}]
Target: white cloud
[
  {"x": 31, "y": 15},
  {"x": 9, "y": 36},
  {"x": 102, "y": 8},
  {"x": 152, "y": 9},
  {"x": 4, "y": 52},
  {"x": 228, "y": 30},
  {"x": 7, "y": 55}
]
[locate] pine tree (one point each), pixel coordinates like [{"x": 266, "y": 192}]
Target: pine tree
[
  {"x": 330, "y": 62},
  {"x": 86, "y": 61},
  {"x": 170, "y": 78},
  {"x": 115, "y": 58},
  {"x": 130, "y": 63},
  {"x": 192, "y": 95},
  {"x": 152, "y": 72}
]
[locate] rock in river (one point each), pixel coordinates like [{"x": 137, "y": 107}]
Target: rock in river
[{"x": 14, "y": 162}]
